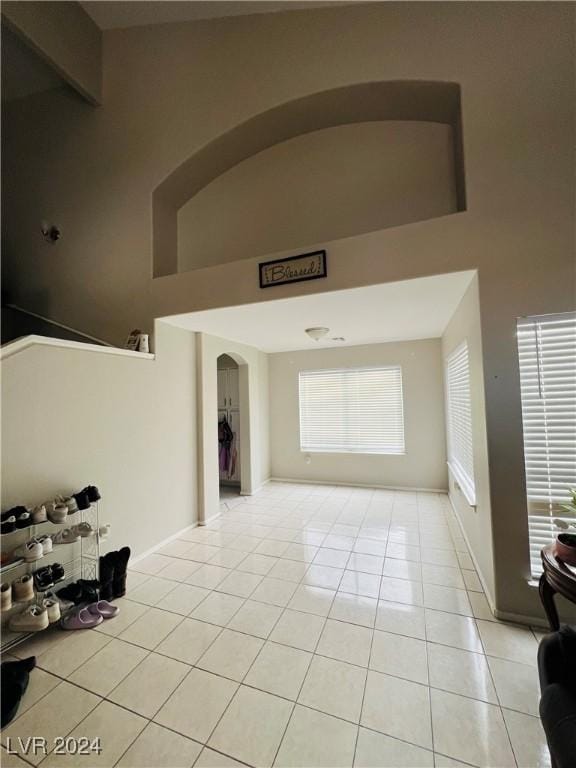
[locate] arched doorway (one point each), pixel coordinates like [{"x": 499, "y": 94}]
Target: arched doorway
[
  {"x": 211, "y": 349},
  {"x": 229, "y": 430}
]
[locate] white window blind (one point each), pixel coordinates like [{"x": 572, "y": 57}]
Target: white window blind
[
  {"x": 352, "y": 410},
  {"x": 460, "y": 454},
  {"x": 547, "y": 355}
]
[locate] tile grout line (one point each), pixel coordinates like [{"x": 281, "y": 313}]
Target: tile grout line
[
  {"x": 312, "y": 655},
  {"x": 429, "y": 687}
]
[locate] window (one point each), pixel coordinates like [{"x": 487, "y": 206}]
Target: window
[
  {"x": 352, "y": 410},
  {"x": 547, "y": 355},
  {"x": 460, "y": 454}
]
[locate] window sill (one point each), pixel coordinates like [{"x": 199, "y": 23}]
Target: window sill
[
  {"x": 352, "y": 453},
  {"x": 462, "y": 485}
]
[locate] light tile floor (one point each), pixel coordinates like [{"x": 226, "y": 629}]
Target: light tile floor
[{"x": 306, "y": 626}]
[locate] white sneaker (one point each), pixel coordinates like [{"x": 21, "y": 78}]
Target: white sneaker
[
  {"x": 38, "y": 514},
  {"x": 23, "y": 589},
  {"x": 52, "y": 609},
  {"x": 104, "y": 531},
  {"x": 57, "y": 513},
  {"x": 66, "y": 536},
  {"x": 5, "y": 597},
  {"x": 31, "y": 550},
  {"x": 72, "y": 504},
  {"x": 83, "y": 529},
  {"x": 31, "y": 619},
  {"x": 46, "y": 543}
]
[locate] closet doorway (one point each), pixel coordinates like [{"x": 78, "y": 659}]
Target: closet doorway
[{"x": 229, "y": 437}]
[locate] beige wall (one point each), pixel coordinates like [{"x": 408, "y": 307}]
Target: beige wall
[
  {"x": 65, "y": 36},
  {"x": 171, "y": 89},
  {"x": 476, "y": 521},
  {"x": 424, "y": 463},
  {"x": 323, "y": 185},
  {"x": 74, "y": 417}
]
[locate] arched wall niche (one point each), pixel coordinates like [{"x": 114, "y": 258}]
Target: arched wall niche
[{"x": 424, "y": 101}]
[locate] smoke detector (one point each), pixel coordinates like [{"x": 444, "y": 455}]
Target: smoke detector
[{"x": 317, "y": 333}]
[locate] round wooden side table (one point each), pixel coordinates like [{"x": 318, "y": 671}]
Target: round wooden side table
[{"x": 557, "y": 577}]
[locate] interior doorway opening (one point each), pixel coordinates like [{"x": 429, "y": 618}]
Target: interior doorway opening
[{"x": 229, "y": 430}]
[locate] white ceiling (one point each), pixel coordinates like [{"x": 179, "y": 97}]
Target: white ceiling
[
  {"x": 113, "y": 14},
  {"x": 411, "y": 309}
]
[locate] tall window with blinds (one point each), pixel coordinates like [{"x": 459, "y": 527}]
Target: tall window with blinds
[
  {"x": 547, "y": 355},
  {"x": 352, "y": 410},
  {"x": 460, "y": 453}
]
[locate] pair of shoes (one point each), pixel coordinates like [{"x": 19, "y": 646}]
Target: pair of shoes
[
  {"x": 67, "y": 501},
  {"x": 38, "y": 514},
  {"x": 15, "y": 519},
  {"x": 14, "y": 676},
  {"x": 79, "y": 592},
  {"x": 46, "y": 577},
  {"x": 24, "y": 520},
  {"x": 113, "y": 567},
  {"x": 56, "y": 511},
  {"x": 52, "y": 606},
  {"x": 65, "y": 536},
  {"x": 34, "y": 549},
  {"x": 93, "y": 493},
  {"x": 30, "y": 551},
  {"x": 5, "y": 597},
  {"x": 33, "y": 618},
  {"x": 21, "y": 517},
  {"x": 90, "y": 616},
  {"x": 8, "y": 525},
  {"x": 72, "y": 534},
  {"x": 87, "y": 496},
  {"x": 12, "y": 512},
  {"x": 46, "y": 542},
  {"x": 84, "y": 529},
  {"x": 23, "y": 589},
  {"x": 82, "y": 500}
]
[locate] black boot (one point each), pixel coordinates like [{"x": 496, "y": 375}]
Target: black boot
[
  {"x": 71, "y": 593},
  {"x": 107, "y": 568},
  {"x": 120, "y": 568},
  {"x": 15, "y": 676},
  {"x": 90, "y": 590}
]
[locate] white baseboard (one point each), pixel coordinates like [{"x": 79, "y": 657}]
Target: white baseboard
[
  {"x": 161, "y": 544},
  {"x": 520, "y": 618},
  {"x": 488, "y": 594},
  {"x": 517, "y": 618},
  {"x": 202, "y": 523},
  {"x": 356, "y": 485},
  {"x": 258, "y": 488}
]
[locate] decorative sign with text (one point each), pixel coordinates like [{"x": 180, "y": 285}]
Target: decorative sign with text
[{"x": 309, "y": 266}]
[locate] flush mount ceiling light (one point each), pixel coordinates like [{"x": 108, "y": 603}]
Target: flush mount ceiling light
[{"x": 317, "y": 333}]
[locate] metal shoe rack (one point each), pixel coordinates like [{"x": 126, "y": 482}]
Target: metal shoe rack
[{"x": 80, "y": 560}]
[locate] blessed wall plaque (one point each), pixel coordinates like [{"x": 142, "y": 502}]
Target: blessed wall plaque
[{"x": 308, "y": 266}]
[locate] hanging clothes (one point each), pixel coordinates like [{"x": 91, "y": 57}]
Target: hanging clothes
[
  {"x": 233, "y": 457},
  {"x": 225, "y": 439}
]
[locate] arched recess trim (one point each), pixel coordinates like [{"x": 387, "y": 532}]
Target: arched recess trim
[{"x": 425, "y": 101}]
